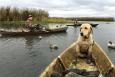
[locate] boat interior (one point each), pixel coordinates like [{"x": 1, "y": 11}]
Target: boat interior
[{"x": 67, "y": 61}]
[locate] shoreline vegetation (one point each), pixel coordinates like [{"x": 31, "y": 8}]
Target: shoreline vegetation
[
  {"x": 72, "y": 19},
  {"x": 15, "y": 17}
]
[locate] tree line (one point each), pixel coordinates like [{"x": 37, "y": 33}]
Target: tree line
[
  {"x": 92, "y": 18},
  {"x": 16, "y": 14}
]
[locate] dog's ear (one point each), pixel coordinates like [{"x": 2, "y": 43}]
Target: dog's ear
[
  {"x": 91, "y": 29},
  {"x": 80, "y": 29}
]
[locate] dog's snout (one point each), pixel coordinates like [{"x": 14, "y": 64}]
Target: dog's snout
[{"x": 81, "y": 34}]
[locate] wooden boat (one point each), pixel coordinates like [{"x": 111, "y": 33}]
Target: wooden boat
[
  {"x": 58, "y": 28},
  {"x": 102, "y": 63},
  {"x": 79, "y": 24},
  {"x": 34, "y": 32}
]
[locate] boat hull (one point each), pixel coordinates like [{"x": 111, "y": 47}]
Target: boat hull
[
  {"x": 5, "y": 33},
  {"x": 103, "y": 63}
]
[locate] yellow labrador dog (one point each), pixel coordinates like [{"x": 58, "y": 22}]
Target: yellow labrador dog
[{"x": 85, "y": 41}]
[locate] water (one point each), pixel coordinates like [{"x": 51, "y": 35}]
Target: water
[{"x": 28, "y": 56}]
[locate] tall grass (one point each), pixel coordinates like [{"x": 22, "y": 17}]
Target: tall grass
[
  {"x": 16, "y": 14},
  {"x": 15, "y": 17}
]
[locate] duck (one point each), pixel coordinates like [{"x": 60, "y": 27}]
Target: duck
[
  {"x": 40, "y": 37},
  {"x": 111, "y": 45},
  {"x": 53, "y": 46}
]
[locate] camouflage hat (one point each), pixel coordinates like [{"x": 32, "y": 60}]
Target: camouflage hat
[{"x": 30, "y": 16}]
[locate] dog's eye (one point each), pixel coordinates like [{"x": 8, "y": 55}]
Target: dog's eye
[{"x": 85, "y": 27}]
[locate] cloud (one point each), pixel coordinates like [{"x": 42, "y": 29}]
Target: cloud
[{"x": 67, "y": 8}]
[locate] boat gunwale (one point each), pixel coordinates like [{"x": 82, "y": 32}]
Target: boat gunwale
[
  {"x": 111, "y": 65},
  {"x": 97, "y": 64},
  {"x": 53, "y": 62}
]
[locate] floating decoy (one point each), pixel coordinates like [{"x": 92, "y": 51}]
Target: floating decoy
[
  {"x": 40, "y": 37},
  {"x": 111, "y": 45},
  {"x": 53, "y": 46}
]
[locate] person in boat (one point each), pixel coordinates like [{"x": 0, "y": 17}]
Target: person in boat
[
  {"x": 76, "y": 21},
  {"x": 30, "y": 26},
  {"x": 29, "y": 21}
]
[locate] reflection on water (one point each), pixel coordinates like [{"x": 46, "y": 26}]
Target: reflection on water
[
  {"x": 29, "y": 42},
  {"x": 28, "y": 56}
]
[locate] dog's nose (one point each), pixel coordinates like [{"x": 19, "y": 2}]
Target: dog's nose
[{"x": 81, "y": 34}]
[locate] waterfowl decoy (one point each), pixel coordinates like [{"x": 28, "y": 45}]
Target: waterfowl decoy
[
  {"x": 53, "y": 46},
  {"x": 111, "y": 45},
  {"x": 40, "y": 37}
]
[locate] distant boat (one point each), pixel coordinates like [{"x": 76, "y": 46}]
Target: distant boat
[
  {"x": 111, "y": 45},
  {"x": 79, "y": 24}
]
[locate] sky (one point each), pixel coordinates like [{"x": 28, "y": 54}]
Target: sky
[{"x": 67, "y": 8}]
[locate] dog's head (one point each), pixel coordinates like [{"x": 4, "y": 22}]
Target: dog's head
[{"x": 85, "y": 30}]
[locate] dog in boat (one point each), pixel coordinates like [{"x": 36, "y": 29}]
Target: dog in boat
[{"x": 84, "y": 41}]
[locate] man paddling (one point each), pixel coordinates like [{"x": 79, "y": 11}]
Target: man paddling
[
  {"x": 32, "y": 27},
  {"x": 29, "y": 21}
]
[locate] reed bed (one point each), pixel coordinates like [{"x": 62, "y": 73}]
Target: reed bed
[{"x": 16, "y": 14}]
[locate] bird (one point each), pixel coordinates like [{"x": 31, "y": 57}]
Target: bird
[{"x": 53, "y": 46}]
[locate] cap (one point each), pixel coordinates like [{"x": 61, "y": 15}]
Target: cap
[{"x": 30, "y": 16}]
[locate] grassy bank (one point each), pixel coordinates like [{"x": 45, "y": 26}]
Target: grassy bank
[
  {"x": 92, "y": 18},
  {"x": 71, "y": 20},
  {"x": 58, "y": 20},
  {"x": 17, "y": 24},
  {"x": 10, "y": 24}
]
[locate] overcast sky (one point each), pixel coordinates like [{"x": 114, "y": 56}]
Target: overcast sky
[{"x": 67, "y": 8}]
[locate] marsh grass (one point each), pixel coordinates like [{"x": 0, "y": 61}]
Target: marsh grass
[
  {"x": 19, "y": 24},
  {"x": 15, "y": 14},
  {"x": 10, "y": 24}
]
